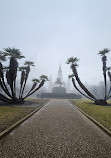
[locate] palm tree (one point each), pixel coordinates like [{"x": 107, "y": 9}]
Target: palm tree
[
  {"x": 73, "y": 61},
  {"x": 22, "y": 80},
  {"x": 35, "y": 82},
  {"x": 13, "y": 55},
  {"x": 11, "y": 74},
  {"x": 43, "y": 79},
  {"x": 74, "y": 64},
  {"x": 104, "y": 51},
  {"x": 104, "y": 59},
  {"x": 74, "y": 84},
  {"x": 27, "y": 70}
]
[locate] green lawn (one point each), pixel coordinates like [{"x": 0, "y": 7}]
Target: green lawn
[
  {"x": 11, "y": 114},
  {"x": 100, "y": 113}
]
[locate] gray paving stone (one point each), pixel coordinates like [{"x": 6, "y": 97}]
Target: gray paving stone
[{"x": 58, "y": 130}]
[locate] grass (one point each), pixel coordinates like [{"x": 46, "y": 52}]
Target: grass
[
  {"x": 100, "y": 113},
  {"x": 11, "y": 114}
]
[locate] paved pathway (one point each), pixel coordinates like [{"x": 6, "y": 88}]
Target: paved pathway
[{"x": 57, "y": 131}]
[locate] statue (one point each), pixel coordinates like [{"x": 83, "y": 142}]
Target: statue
[
  {"x": 58, "y": 81},
  {"x": 60, "y": 89}
]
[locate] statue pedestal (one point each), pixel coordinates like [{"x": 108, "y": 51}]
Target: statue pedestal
[
  {"x": 60, "y": 93},
  {"x": 60, "y": 90}
]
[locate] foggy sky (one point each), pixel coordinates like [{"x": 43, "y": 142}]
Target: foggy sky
[{"x": 50, "y": 31}]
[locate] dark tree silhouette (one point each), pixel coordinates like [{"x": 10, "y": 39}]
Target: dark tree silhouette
[
  {"x": 88, "y": 94},
  {"x": 104, "y": 59},
  {"x": 9, "y": 74}
]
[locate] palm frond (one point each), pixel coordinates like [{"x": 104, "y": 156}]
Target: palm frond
[
  {"x": 35, "y": 80},
  {"x": 72, "y": 60},
  {"x": 43, "y": 77},
  {"x": 13, "y": 52},
  {"x": 22, "y": 68},
  {"x": 29, "y": 63},
  {"x": 2, "y": 56},
  {"x": 104, "y": 51},
  {"x": 71, "y": 76}
]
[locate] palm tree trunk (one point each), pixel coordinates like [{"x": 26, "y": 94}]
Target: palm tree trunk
[
  {"x": 22, "y": 91},
  {"x": 40, "y": 85},
  {"x": 80, "y": 83},
  {"x": 108, "y": 95},
  {"x": 4, "y": 99},
  {"x": 26, "y": 77},
  {"x": 104, "y": 59},
  {"x": 73, "y": 81},
  {"x": 14, "y": 88},
  {"x": 21, "y": 82},
  {"x": 105, "y": 86},
  {"x": 12, "y": 76},
  {"x": 13, "y": 94},
  {"x": 5, "y": 89},
  {"x": 32, "y": 88}
]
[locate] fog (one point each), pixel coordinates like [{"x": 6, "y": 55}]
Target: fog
[{"x": 50, "y": 31}]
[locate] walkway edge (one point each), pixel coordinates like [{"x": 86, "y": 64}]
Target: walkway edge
[
  {"x": 9, "y": 129},
  {"x": 96, "y": 122}
]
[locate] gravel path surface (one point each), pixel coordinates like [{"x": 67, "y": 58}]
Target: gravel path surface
[{"x": 58, "y": 130}]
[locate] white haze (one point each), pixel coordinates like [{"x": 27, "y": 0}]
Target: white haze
[{"x": 50, "y": 31}]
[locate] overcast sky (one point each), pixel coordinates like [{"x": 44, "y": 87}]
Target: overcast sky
[{"x": 50, "y": 31}]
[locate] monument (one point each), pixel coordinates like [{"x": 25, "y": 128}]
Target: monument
[
  {"x": 59, "y": 82},
  {"x": 59, "y": 90}
]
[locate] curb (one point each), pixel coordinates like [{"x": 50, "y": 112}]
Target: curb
[
  {"x": 9, "y": 129},
  {"x": 93, "y": 120}
]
